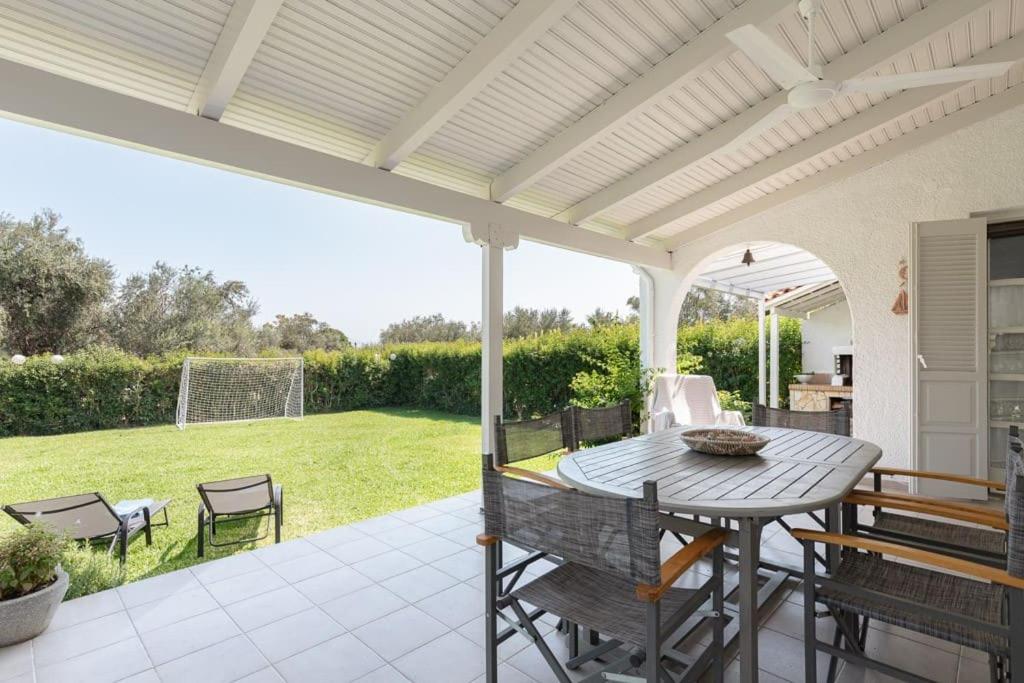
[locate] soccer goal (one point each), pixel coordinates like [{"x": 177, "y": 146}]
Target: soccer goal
[{"x": 236, "y": 389}]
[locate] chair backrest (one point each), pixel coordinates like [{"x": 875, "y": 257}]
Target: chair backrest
[
  {"x": 237, "y": 496},
  {"x": 693, "y": 399},
  {"x": 601, "y": 424},
  {"x": 80, "y": 517},
  {"x": 828, "y": 421},
  {"x": 1015, "y": 507},
  {"x": 515, "y": 441},
  {"x": 617, "y": 535}
]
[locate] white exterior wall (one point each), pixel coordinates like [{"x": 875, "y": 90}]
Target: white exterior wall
[
  {"x": 821, "y": 331},
  {"x": 860, "y": 227}
]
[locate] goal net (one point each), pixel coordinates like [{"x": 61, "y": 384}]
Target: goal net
[{"x": 235, "y": 389}]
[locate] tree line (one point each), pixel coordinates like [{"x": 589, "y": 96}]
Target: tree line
[{"x": 56, "y": 298}]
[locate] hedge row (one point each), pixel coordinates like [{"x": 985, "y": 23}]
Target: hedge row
[{"x": 104, "y": 388}]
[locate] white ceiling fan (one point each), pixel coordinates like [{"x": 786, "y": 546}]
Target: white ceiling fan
[{"x": 807, "y": 89}]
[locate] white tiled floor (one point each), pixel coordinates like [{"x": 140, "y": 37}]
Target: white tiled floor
[{"x": 395, "y": 598}]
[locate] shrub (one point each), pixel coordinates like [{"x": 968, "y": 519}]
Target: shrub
[
  {"x": 29, "y": 557},
  {"x": 90, "y": 571}
]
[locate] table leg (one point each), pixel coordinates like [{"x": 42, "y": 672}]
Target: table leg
[{"x": 749, "y": 552}]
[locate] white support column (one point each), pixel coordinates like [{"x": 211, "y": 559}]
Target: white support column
[
  {"x": 660, "y": 299},
  {"x": 646, "y": 313},
  {"x": 762, "y": 370},
  {"x": 493, "y": 240},
  {"x": 774, "y": 360}
]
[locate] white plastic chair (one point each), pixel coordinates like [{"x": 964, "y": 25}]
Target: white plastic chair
[{"x": 689, "y": 399}]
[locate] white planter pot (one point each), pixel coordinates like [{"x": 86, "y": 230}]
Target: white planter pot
[{"x": 28, "y": 616}]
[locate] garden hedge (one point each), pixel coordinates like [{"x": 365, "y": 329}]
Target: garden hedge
[{"x": 103, "y": 388}]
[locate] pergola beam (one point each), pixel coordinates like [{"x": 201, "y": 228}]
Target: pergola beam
[
  {"x": 986, "y": 108},
  {"x": 515, "y": 33},
  {"x": 693, "y": 58},
  {"x": 243, "y": 33},
  {"x": 44, "y": 98},
  {"x": 875, "y": 54},
  {"x": 860, "y": 124}
]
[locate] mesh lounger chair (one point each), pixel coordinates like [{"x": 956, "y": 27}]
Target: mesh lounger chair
[
  {"x": 90, "y": 518},
  {"x": 828, "y": 421},
  {"x": 237, "y": 499},
  {"x": 600, "y": 424},
  {"x": 960, "y": 536},
  {"x": 611, "y": 579},
  {"x": 980, "y": 607},
  {"x": 527, "y": 439}
]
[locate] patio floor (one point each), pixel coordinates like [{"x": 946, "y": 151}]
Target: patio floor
[{"x": 392, "y": 598}]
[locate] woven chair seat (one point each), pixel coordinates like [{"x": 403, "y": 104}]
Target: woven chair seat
[
  {"x": 973, "y": 538},
  {"x": 597, "y": 600},
  {"x": 976, "y": 599}
]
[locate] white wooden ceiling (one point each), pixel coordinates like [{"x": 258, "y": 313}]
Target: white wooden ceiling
[
  {"x": 776, "y": 267},
  {"x": 573, "y": 121}
]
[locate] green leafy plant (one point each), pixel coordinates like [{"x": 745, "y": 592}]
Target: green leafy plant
[
  {"x": 732, "y": 400},
  {"x": 29, "y": 557},
  {"x": 90, "y": 571}
]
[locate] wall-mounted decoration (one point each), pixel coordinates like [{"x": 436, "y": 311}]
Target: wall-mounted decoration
[{"x": 901, "y": 305}]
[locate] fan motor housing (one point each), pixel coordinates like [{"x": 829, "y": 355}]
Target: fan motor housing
[{"x": 807, "y": 95}]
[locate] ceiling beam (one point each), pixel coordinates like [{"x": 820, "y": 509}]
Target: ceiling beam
[
  {"x": 514, "y": 34},
  {"x": 36, "y": 96},
  {"x": 705, "y": 50},
  {"x": 986, "y": 108},
  {"x": 243, "y": 32},
  {"x": 868, "y": 57},
  {"x": 844, "y": 131}
]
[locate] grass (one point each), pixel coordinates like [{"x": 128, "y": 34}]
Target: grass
[{"x": 336, "y": 469}]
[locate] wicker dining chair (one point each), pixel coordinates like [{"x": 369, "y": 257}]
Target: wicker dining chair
[
  {"x": 964, "y": 529},
  {"x": 611, "y": 579},
  {"x": 594, "y": 425},
  {"x": 828, "y": 421},
  {"x": 980, "y": 606}
]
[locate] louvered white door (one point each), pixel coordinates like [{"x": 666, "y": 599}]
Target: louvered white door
[{"x": 949, "y": 310}]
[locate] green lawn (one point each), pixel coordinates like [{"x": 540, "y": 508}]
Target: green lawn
[{"x": 335, "y": 469}]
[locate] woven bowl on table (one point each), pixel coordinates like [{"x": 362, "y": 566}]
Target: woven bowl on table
[{"x": 724, "y": 441}]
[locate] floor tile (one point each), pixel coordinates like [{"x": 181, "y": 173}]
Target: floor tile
[
  {"x": 332, "y": 537},
  {"x": 454, "y": 606},
  {"x": 307, "y": 567},
  {"x": 169, "y": 610},
  {"x": 404, "y": 535},
  {"x": 448, "y": 659},
  {"x": 339, "y": 660},
  {"x": 363, "y": 606},
  {"x": 157, "y": 587},
  {"x": 264, "y": 609},
  {"x": 85, "y": 609},
  {"x": 465, "y": 536},
  {"x": 245, "y": 586},
  {"x": 508, "y": 674},
  {"x": 971, "y": 671},
  {"x": 385, "y": 566},
  {"x": 385, "y": 674},
  {"x": 377, "y": 525},
  {"x": 268, "y": 675},
  {"x": 400, "y": 632},
  {"x": 109, "y": 663},
  {"x": 442, "y": 523},
  {"x": 226, "y": 568},
  {"x": 918, "y": 658},
  {"x": 277, "y": 553},
  {"x": 463, "y": 565},
  {"x": 433, "y": 548},
  {"x": 291, "y": 635},
  {"x": 359, "y": 549},
  {"x": 220, "y": 663},
  {"x": 184, "y": 637},
  {"x": 419, "y": 583},
  {"x": 333, "y": 584},
  {"x": 57, "y": 646},
  {"x": 474, "y": 630},
  {"x": 416, "y": 514},
  {"x": 147, "y": 676},
  {"x": 453, "y": 503},
  {"x": 15, "y": 660}
]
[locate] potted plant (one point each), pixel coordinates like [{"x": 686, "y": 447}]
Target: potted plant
[{"x": 32, "y": 583}]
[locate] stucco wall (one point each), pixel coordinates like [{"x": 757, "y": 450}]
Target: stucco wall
[
  {"x": 821, "y": 331},
  {"x": 860, "y": 227}
]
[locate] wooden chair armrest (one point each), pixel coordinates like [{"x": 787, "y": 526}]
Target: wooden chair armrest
[
  {"x": 954, "y": 564},
  {"x": 885, "y": 496},
  {"x": 930, "y": 506},
  {"x": 485, "y": 540},
  {"x": 941, "y": 476},
  {"x": 684, "y": 558},
  {"x": 534, "y": 476}
]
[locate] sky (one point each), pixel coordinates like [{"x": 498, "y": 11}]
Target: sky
[{"x": 356, "y": 266}]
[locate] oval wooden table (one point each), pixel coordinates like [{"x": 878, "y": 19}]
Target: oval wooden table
[{"x": 798, "y": 471}]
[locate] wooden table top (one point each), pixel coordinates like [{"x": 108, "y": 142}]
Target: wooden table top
[{"x": 796, "y": 472}]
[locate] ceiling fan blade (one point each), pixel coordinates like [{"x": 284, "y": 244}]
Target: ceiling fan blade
[
  {"x": 921, "y": 79},
  {"x": 777, "y": 116},
  {"x": 764, "y": 52}
]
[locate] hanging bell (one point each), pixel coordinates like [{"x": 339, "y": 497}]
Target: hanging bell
[{"x": 748, "y": 258}]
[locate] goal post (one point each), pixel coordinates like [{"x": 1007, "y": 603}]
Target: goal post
[{"x": 239, "y": 389}]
